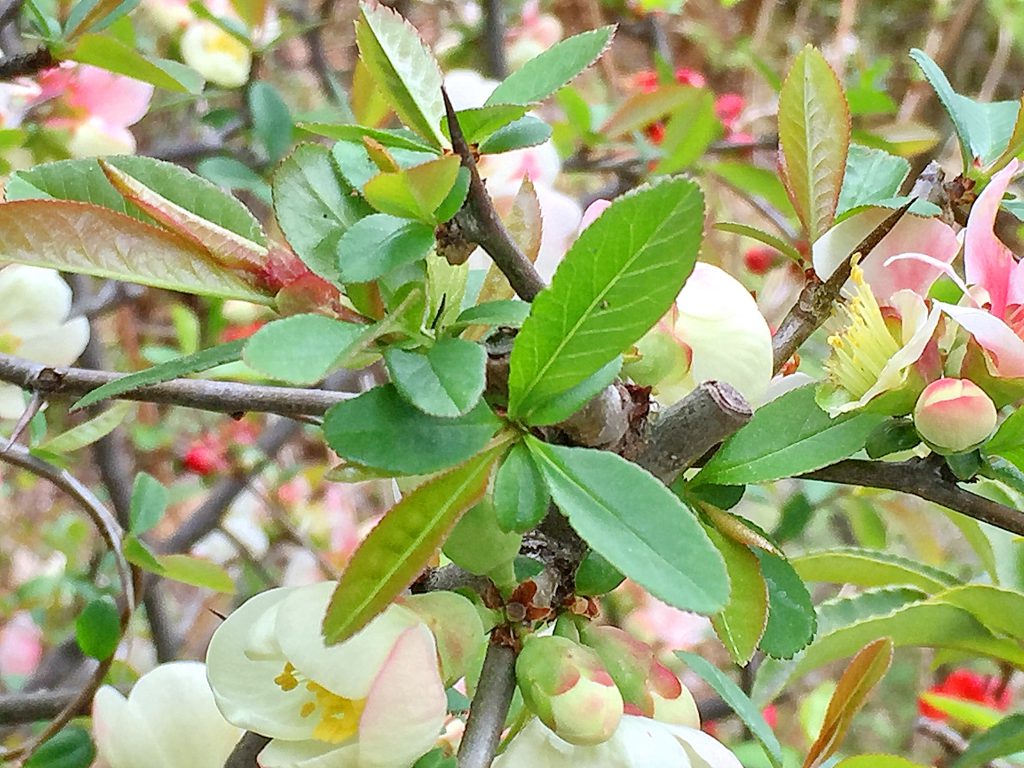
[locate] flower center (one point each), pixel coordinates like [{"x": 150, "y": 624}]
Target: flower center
[
  {"x": 9, "y": 343},
  {"x": 339, "y": 717},
  {"x": 863, "y": 345}
]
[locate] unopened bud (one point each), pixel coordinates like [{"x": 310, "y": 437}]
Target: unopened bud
[
  {"x": 567, "y": 687},
  {"x": 954, "y": 415},
  {"x": 457, "y": 628}
]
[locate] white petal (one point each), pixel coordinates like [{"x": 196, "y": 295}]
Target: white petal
[
  {"x": 244, "y": 688},
  {"x": 308, "y": 754},
  {"x": 122, "y": 739},
  {"x": 720, "y": 322},
  {"x": 12, "y": 401},
  {"x": 347, "y": 669},
  {"x": 59, "y": 345},
  {"x": 406, "y": 707},
  {"x": 32, "y": 294},
  {"x": 176, "y": 703},
  {"x": 468, "y": 89},
  {"x": 703, "y": 750}
]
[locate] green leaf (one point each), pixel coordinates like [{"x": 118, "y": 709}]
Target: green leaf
[
  {"x": 665, "y": 549},
  {"x": 271, "y": 120},
  {"x": 479, "y": 123},
  {"x": 95, "y": 15},
  {"x": 447, "y": 380},
  {"x": 689, "y": 132},
  {"x": 315, "y": 207},
  {"x": 544, "y": 74},
  {"x": 870, "y": 568},
  {"x": 732, "y": 694},
  {"x": 742, "y": 622},
  {"x": 403, "y": 69},
  {"x": 98, "y": 628},
  {"x": 197, "y": 572},
  {"x": 173, "y": 369},
  {"x": 520, "y": 496},
  {"x": 596, "y": 576},
  {"x": 563, "y": 405},
  {"x": 137, "y": 553},
  {"x": 527, "y": 131},
  {"x": 379, "y": 243},
  {"x": 507, "y": 312},
  {"x": 966, "y": 712},
  {"x": 814, "y": 136},
  {"x": 149, "y": 502},
  {"x": 88, "y": 433},
  {"x": 402, "y": 543},
  {"x": 84, "y": 181},
  {"x": 999, "y": 609},
  {"x": 762, "y": 237},
  {"x": 788, "y": 436},
  {"x": 455, "y": 198},
  {"x": 1004, "y": 738},
  {"x": 478, "y": 544},
  {"x": 642, "y": 109},
  {"x": 229, "y": 173},
  {"x": 415, "y": 192},
  {"x": 877, "y": 761},
  {"x": 90, "y": 240},
  {"x": 1008, "y": 441},
  {"x": 114, "y": 56},
  {"x": 617, "y": 280},
  {"x": 300, "y": 349},
  {"x": 382, "y": 430},
  {"x": 754, "y": 181},
  {"x": 70, "y": 747},
  {"x": 400, "y": 139},
  {"x": 791, "y": 617},
  {"x": 872, "y": 176},
  {"x": 983, "y": 130}
]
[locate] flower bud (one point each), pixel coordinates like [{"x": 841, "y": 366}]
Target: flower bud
[
  {"x": 457, "y": 628},
  {"x": 954, "y": 415},
  {"x": 568, "y": 688}
]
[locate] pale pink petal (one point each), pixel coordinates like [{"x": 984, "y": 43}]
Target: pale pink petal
[
  {"x": 406, "y": 707},
  {"x": 117, "y": 100},
  {"x": 308, "y": 754},
  {"x": 987, "y": 262},
  {"x": 594, "y": 210},
  {"x": 1015, "y": 295},
  {"x": 912, "y": 234},
  {"x": 560, "y": 217},
  {"x": 996, "y": 337},
  {"x": 21, "y": 639}
]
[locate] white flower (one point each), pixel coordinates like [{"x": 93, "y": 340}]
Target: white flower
[
  {"x": 374, "y": 701},
  {"x": 34, "y": 305},
  {"x": 216, "y": 55},
  {"x": 168, "y": 720},
  {"x": 638, "y": 742}
]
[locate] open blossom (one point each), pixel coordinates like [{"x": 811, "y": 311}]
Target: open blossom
[
  {"x": 34, "y": 307},
  {"x": 21, "y": 645},
  {"x": 168, "y": 719},
  {"x": 97, "y": 106},
  {"x": 638, "y": 742},
  {"x": 216, "y": 55},
  {"x": 992, "y": 311},
  {"x": 535, "y": 34},
  {"x": 968, "y": 685},
  {"x": 374, "y": 701},
  {"x": 884, "y": 332}
]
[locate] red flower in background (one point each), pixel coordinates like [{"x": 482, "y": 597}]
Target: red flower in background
[
  {"x": 206, "y": 456},
  {"x": 968, "y": 686},
  {"x": 760, "y": 259}
]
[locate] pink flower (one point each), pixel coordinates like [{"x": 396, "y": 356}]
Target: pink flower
[
  {"x": 99, "y": 108},
  {"x": 21, "y": 646},
  {"x": 996, "y": 281}
]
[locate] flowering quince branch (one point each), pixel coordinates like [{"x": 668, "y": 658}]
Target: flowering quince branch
[
  {"x": 217, "y": 396},
  {"x": 481, "y": 223},
  {"x": 926, "y": 478},
  {"x": 112, "y": 535},
  {"x": 490, "y": 707},
  {"x": 246, "y": 751}
]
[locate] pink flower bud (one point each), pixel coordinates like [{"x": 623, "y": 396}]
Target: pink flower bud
[
  {"x": 954, "y": 415},
  {"x": 568, "y": 688}
]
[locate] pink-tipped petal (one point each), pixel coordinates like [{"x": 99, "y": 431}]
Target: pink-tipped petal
[
  {"x": 1005, "y": 348},
  {"x": 987, "y": 262},
  {"x": 406, "y": 706},
  {"x": 594, "y": 210}
]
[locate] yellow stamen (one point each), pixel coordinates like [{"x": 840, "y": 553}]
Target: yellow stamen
[
  {"x": 863, "y": 344},
  {"x": 338, "y": 716}
]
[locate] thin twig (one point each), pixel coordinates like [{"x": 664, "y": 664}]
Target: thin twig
[
  {"x": 483, "y": 226},
  {"x": 494, "y": 38},
  {"x": 112, "y": 534},
  {"x": 247, "y": 750},
  {"x": 203, "y": 394},
  {"x": 490, "y": 707},
  {"x": 927, "y": 479},
  {"x": 31, "y": 707}
]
